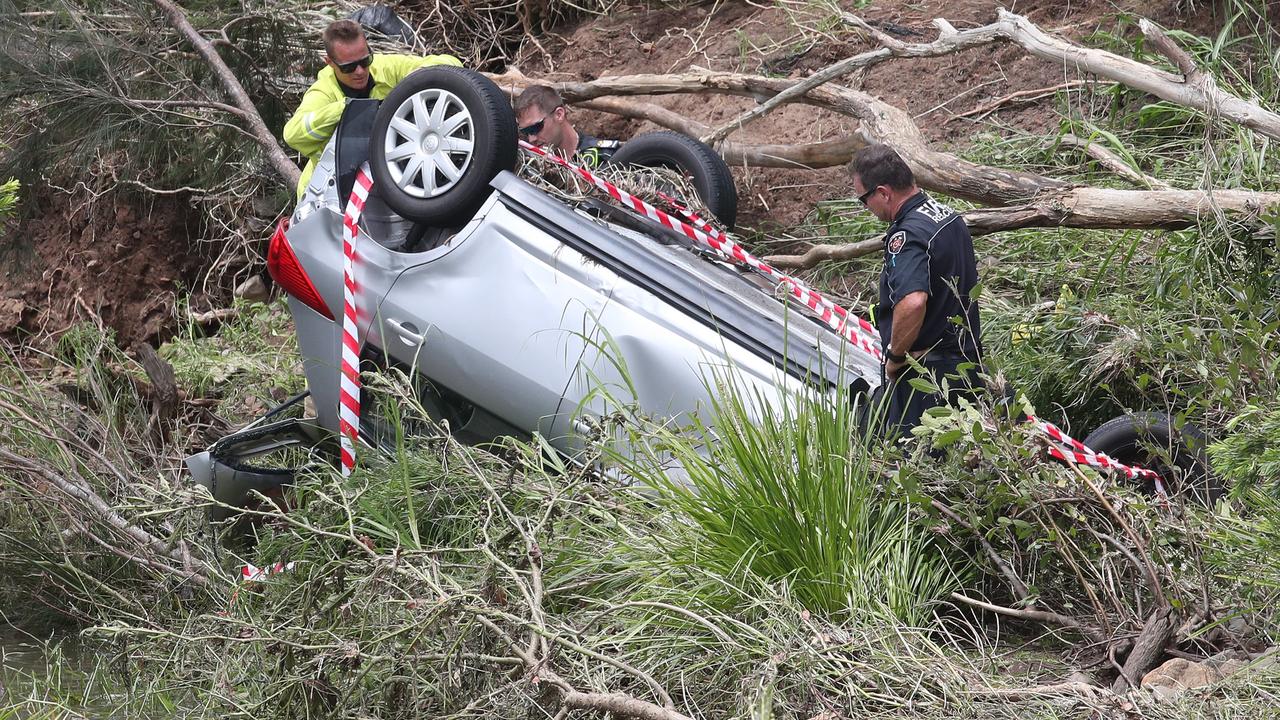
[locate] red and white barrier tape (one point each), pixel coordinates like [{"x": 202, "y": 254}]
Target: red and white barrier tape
[
  {"x": 253, "y": 573},
  {"x": 821, "y": 306},
  {"x": 349, "y": 392},
  {"x": 1080, "y": 454},
  {"x": 834, "y": 317}
]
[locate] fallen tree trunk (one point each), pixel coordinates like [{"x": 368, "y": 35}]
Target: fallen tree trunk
[
  {"x": 1106, "y": 209},
  {"x": 1087, "y": 208}
]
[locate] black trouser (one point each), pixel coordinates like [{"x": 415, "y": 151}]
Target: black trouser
[{"x": 904, "y": 404}]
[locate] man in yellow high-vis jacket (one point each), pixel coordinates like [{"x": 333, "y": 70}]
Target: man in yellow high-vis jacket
[{"x": 351, "y": 71}]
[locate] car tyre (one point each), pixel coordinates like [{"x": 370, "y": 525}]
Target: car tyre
[
  {"x": 439, "y": 138},
  {"x": 1151, "y": 440},
  {"x": 708, "y": 171}
]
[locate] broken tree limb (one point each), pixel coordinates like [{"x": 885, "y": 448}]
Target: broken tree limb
[
  {"x": 1085, "y": 207},
  {"x": 1105, "y": 209},
  {"x": 1114, "y": 162},
  {"x": 1043, "y": 617},
  {"x": 982, "y": 111},
  {"x": 280, "y": 162},
  {"x": 1194, "y": 88},
  {"x": 802, "y": 156},
  {"x": 826, "y": 253},
  {"x": 949, "y": 41}
]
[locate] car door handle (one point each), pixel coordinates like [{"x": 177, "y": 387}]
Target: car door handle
[{"x": 407, "y": 331}]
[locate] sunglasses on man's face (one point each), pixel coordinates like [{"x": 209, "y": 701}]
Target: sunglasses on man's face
[
  {"x": 533, "y": 129},
  {"x": 867, "y": 195},
  {"x": 350, "y": 67}
]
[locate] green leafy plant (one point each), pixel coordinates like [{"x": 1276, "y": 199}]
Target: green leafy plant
[{"x": 793, "y": 493}]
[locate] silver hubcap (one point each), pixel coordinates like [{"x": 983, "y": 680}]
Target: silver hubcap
[{"x": 429, "y": 143}]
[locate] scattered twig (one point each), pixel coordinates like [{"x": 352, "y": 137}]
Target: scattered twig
[
  {"x": 1024, "y": 95},
  {"x": 826, "y": 253},
  {"x": 1041, "y": 616}
]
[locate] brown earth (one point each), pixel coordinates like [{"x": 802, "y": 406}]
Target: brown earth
[
  {"x": 124, "y": 262},
  {"x": 115, "y": 261}
]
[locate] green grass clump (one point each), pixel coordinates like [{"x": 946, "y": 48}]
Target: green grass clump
[{"x": 793, "y": 493}]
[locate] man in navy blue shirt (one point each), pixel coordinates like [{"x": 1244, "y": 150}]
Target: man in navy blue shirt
[{"x": 926, "y": 311}]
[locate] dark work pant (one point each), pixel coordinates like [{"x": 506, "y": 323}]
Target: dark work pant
[{"x": 905, "y": 404}]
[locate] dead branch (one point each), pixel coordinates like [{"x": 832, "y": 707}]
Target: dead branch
[
  {"x": 826, "y": 253},
  {"x": 1081, "y": 689},
  {"x": 1112, "y": 162},
  {"x": 880, "y": 122},
  {"x": 214, "y": 316},
  {"x": 280, "y": 162},
  {"x": 1194, "y": 88},
  {"x": 619, "y": 704},
  {"x": 1043, "y": 617},
  {"x": 949, "y": 41},
  {"x": 1102, "y": 209},
  {"x": 803, "y": 156},
  {"x": 103, "y": 513},
  {"x": 1034, "y": 94}
]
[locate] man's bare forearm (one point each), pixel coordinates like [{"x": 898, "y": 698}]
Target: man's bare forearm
[{"x": 908, "y": 318}]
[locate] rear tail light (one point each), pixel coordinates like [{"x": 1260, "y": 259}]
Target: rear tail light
[{"x": 284, "y": 268}]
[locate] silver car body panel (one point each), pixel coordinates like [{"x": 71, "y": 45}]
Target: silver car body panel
[{"x": 533, "y": 307}]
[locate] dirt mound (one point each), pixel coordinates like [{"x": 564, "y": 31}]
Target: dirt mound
[
  {"x": 741, "y": 37},
  {"x": 108, "y": 258}
]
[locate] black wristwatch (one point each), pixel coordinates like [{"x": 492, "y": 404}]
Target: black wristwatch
[{"x": 888, "y": 353}]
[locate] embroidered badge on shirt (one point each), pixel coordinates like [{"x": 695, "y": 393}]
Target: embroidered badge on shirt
[{"x": 896, "y": 242}]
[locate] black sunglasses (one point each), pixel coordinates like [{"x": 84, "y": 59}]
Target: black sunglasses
[
  {"x": 863, "y": 197},
  {"x": 534, "y": 129},
  {"x": 350, "y": 67}
]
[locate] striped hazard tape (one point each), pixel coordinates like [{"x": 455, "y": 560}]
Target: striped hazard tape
[
  {"x": 349, "y": 393},
  {"x": 823, "y": 308},
  {"x": 253, "y": 573},
  {"x": 1078, "y": 453},
  {"x": 861, "y": 334}
]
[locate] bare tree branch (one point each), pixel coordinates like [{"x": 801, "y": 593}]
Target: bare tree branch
[
  {"x": 826, "y": 253},
  {"x": 1041, "y": 616},
  {"x": 284, "y": 167},
  {"x": 1114, "y": 163}
]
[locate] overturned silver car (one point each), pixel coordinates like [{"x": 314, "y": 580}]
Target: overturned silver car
[{"x": 507, "y": 306}]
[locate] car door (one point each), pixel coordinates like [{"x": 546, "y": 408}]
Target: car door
[{"x": 499, "y": 315}]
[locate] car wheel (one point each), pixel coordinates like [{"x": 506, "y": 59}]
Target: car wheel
[
  {"x": 440, "y": 136},
  {"x": 708, "y": 171},
  {"x": 1150, "y": 440}
]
